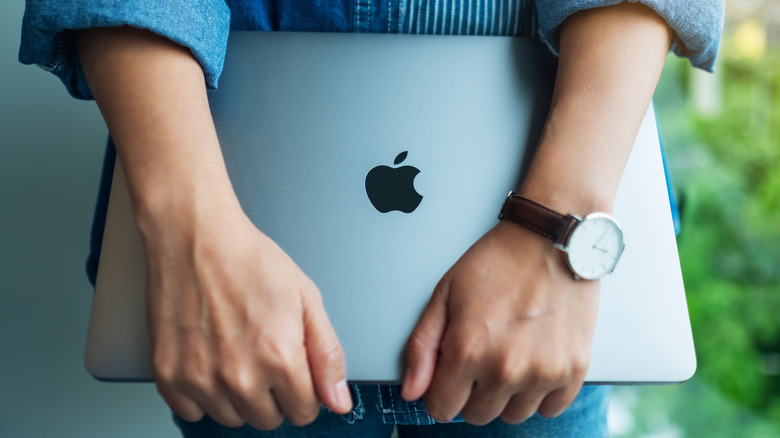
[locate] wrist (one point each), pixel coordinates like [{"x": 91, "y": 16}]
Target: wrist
[
  {"x": 569, "y": 196},
  {"x": 175, "y": 205},
  {"x": 592, "y": 244}
]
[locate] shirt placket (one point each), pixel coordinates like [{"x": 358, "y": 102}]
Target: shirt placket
[{"x": 363, "y": 15}]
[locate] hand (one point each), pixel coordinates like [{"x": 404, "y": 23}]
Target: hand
[
  {"x": 506, "y": 333},
  {"x": 239, "y": 332}
]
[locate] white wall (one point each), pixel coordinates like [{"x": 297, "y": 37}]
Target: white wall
[{"x": 50, "y": 156}]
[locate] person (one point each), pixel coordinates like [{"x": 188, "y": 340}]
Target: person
[{"x": 242, "y": 344}]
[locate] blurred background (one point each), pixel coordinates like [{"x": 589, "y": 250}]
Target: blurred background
[
  {"x": 50, "y": 157},
  {"x": 720, "y": 132}
]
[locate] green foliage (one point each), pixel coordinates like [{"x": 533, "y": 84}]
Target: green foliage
[
  {"x": 727, "y": 167},
  {"x": 693, "y": 409}
]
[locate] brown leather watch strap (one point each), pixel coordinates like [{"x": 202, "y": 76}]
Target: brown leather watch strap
[{"x": 537, "y": 217}]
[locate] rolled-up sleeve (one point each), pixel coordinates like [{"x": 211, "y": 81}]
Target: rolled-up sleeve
[
  {"x": 47, "y": 40},
  {"x": 698, "y": 25}
]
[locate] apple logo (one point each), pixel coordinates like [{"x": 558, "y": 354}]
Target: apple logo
[{"x": 392, "y": 188}]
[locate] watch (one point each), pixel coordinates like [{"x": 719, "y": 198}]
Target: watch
[{"x": 592, "y": 245}]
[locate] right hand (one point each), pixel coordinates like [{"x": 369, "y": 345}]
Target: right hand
[{"x": 238, "y": 331}]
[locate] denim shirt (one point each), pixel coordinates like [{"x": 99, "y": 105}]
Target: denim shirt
[{"x": 203, "y": 27}]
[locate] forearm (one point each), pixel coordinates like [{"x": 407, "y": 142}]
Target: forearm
[
  {"x": 234, "y": 323},
  {"x": 610, "y": 62},
  {"x": 523, "y": 345},
  {"x": 152, "y": 95}
]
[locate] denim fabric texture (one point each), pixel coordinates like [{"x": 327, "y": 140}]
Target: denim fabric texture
[
  {"x": 203, "y": 26},
  {"x": 698, "y": 25},
  {"x": 585, "y": 418},
  {"x": 47, "y": 37}
]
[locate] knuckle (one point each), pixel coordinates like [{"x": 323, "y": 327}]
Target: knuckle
[
  {"x": 416, "y": 341},
  {"x": 181, "y": 377},
  {"x": 467, "y": 351},
  {"x": 196, "y": 379},
  {"x": 548, "y": 374},
  {"x": 333, "y": 355},
  {"x": 280, "y": 360},
  {"x": 238, "y": 380},
  {"x": 166, "y": 363},
  {"x": 561, "y": 369},
  {"x": 165, "y": 370},
  {"x": 550, "y": 370},
  {"x": 283, "y": 372},
  {"x": 507, "y": 372},
  {"x": 580, "y": 363}
]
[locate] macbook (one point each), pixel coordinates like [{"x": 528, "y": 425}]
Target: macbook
[{"x": 375, "y": 161}]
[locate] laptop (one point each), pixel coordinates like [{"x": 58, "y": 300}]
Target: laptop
[{"x": 402, "y": 148}]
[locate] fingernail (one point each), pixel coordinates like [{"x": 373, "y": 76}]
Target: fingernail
[{"x": 343, "y": 396}]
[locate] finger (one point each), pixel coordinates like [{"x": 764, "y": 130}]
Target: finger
[
  {"x": 182, "y": 406},
  {"x": 171, "y": 386},
  {"x": 166, "y": 378},
  {"x": 294, "y": 392},
  {"x": 297, "y": 410},
  {"x": 242, "y": 383},
  {"x": 422, "y": 348},
  {"x": 271, "y": 380},
  {"x": 558, "y": 401},
  {"x": 454, "y": 377},
  {"x": 261, "y": 411},
  {"x": 210, "y": 397},
  {"x": 521, "y": 407},
  {"x": 448, "y": 393},
  {"x": 192, "y": 391},
  {"x": 485, "y": 404},
  {"x": 221, "y": 409},
  {"x": 325, "y": 356}
]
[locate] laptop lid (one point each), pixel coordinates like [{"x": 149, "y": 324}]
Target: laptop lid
[{"x": 402, "y": 148}]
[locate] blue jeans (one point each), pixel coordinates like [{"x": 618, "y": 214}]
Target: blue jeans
[{"x": 586, "y": 417}]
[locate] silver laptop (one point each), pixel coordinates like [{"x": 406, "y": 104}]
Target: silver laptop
[{"x": 401, "y": 149}]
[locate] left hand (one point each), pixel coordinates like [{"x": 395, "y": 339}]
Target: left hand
[{"x": 507, "y": 333}]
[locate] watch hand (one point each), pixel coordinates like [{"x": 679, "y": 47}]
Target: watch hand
[
  {"x": 606, "y": 252},
  {"x": 595, "y": 245}
]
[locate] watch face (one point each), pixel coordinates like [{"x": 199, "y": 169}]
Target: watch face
[{"x": 595, "y": 246}]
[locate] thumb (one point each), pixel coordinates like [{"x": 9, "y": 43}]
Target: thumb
[
  {"x": 326, "y": 358},
  {"x": 422, "y": 349}
]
